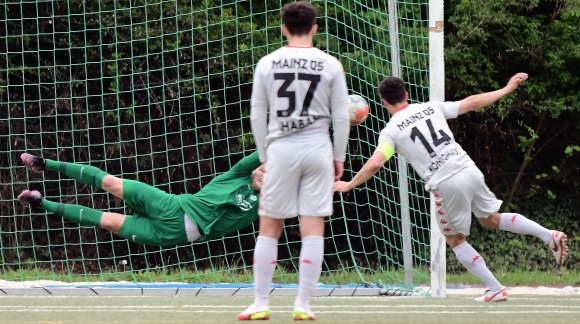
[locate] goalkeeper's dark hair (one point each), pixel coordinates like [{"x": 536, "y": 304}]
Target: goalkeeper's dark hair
[
  {"x": 393, "y": 90},
  {"x": 299, "y": 17}
]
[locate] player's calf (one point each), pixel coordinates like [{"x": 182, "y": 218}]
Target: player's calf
[
  {"x": 35, "y": 163},
  {"x": 32, "y": 198}
]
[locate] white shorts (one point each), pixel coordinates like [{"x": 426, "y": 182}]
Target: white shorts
[
  {"x": 298, "y": 179},
  {"x": 458, "y": 196}
]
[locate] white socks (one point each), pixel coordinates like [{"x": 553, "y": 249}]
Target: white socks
[
  {"x": 311, "y": 256},
  {"x": 520, "y": 224},
  {"x": 475, "y": 264},
  {"x": 265, "y": 258}
]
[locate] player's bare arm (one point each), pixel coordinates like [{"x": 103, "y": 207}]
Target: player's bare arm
[
  {"x": 371, "y": 167},
  {"x": 481, "y": 100},
  {"x": 338, "y": 169}
]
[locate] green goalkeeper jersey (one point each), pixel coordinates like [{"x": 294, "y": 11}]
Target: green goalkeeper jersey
[{"x": 226, "y": 204}]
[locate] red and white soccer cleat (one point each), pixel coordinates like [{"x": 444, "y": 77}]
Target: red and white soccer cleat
[
  {"x": 558, "y": 247},
  {"x": 493, "y": 296}
]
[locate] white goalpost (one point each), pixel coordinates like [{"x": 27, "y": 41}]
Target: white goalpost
[{"x": 436, "y": 92}]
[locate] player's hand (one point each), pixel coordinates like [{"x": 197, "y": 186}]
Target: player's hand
[
  {"x": 338, "y": 170},
  {"x": 516, "y": 80},
  {"x": 342, "y": 186},
  {"x": 258, "y": 177}
]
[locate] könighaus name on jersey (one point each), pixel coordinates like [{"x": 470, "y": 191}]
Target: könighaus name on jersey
[
  {"x": 440, "y": 160},
  {"x": 416, "y": 117},
  {"x": 298, "y": 63}
]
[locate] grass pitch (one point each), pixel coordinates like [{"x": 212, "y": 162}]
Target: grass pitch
[{"x": 205, "y": 309}]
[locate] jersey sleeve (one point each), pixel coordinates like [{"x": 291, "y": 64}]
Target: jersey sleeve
[
  {"x": 248, "y": 164},
  {"x": 386, "y": 144},
  {"x": 259, "y": 110},
  {"x": 450, "y": 109},
  {"x": 339, "y": 109}
]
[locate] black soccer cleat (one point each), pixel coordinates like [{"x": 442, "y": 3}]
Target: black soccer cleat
[
  {"x": 35, "y": 163},
  {"x": 32, "y": 198}
]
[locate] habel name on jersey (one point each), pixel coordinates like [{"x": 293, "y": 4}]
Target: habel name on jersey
[
  {"x": 416, "y": 117},
  {"x": 298, "y": 63},
  {"x": 294, "y": 125}
]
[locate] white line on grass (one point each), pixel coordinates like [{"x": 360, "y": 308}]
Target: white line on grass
[
  {"x": 434, "y": 312},
  {"x": 179, "y": 307}
]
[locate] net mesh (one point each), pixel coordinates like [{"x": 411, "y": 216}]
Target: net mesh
[{"x": 159, "y": 91}]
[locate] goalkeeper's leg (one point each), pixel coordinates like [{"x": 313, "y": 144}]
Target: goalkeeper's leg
[
  {"x": 76, "y": 213},
  {"x": 82, "y": 173},
  {"x": 136, "y": 228},
  {"x": 159, "y": 220}
]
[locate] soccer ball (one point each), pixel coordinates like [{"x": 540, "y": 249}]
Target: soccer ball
[{"x": 358, "y": 109}]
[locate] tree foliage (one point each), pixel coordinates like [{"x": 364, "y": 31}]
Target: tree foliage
[{"x": 525, "y": 143}]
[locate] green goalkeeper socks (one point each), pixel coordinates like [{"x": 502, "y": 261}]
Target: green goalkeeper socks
[
  {"x": 75, "y": 213},
  {"x": 80, "y": 172}
]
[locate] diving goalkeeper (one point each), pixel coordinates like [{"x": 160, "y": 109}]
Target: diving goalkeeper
[{"x": 226, "y": 204}]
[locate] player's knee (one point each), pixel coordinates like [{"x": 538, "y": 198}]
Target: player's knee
[
  {"x": 107, "y": 224},
  {"x": 112, "y": 221},
  {"x": 492, "y": 221},
  {"x": 311, "y": 226},
  {"x": 112, "y": 184},
  {"x": 455, "y": 240}
]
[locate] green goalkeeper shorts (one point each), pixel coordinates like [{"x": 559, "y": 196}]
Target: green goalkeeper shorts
[{"x": 158, "y": 218}]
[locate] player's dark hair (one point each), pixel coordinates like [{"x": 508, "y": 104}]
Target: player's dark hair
[
  {"x": 299, "y": 17},
  {"x": 392, "y": 89}
]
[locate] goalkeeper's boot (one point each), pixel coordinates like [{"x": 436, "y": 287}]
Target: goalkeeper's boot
[
  {"x": 255, "y": 313},
  {"x": 493, "y": 296},
  {"x": 35, "y": 163},
  {"x": 558, "y": 247},
  {"x": 32, "y": 198},
  {"x": 301, "y": 314}
]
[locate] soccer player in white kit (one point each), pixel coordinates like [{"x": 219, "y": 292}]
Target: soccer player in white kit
[
  {"x": 420, "y": 133},
  {"x": 298, "y": 92}
]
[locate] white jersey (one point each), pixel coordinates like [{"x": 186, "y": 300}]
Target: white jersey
[
  {"x": 420, "y": 132},
  {"x": 296, "y": 92}
]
